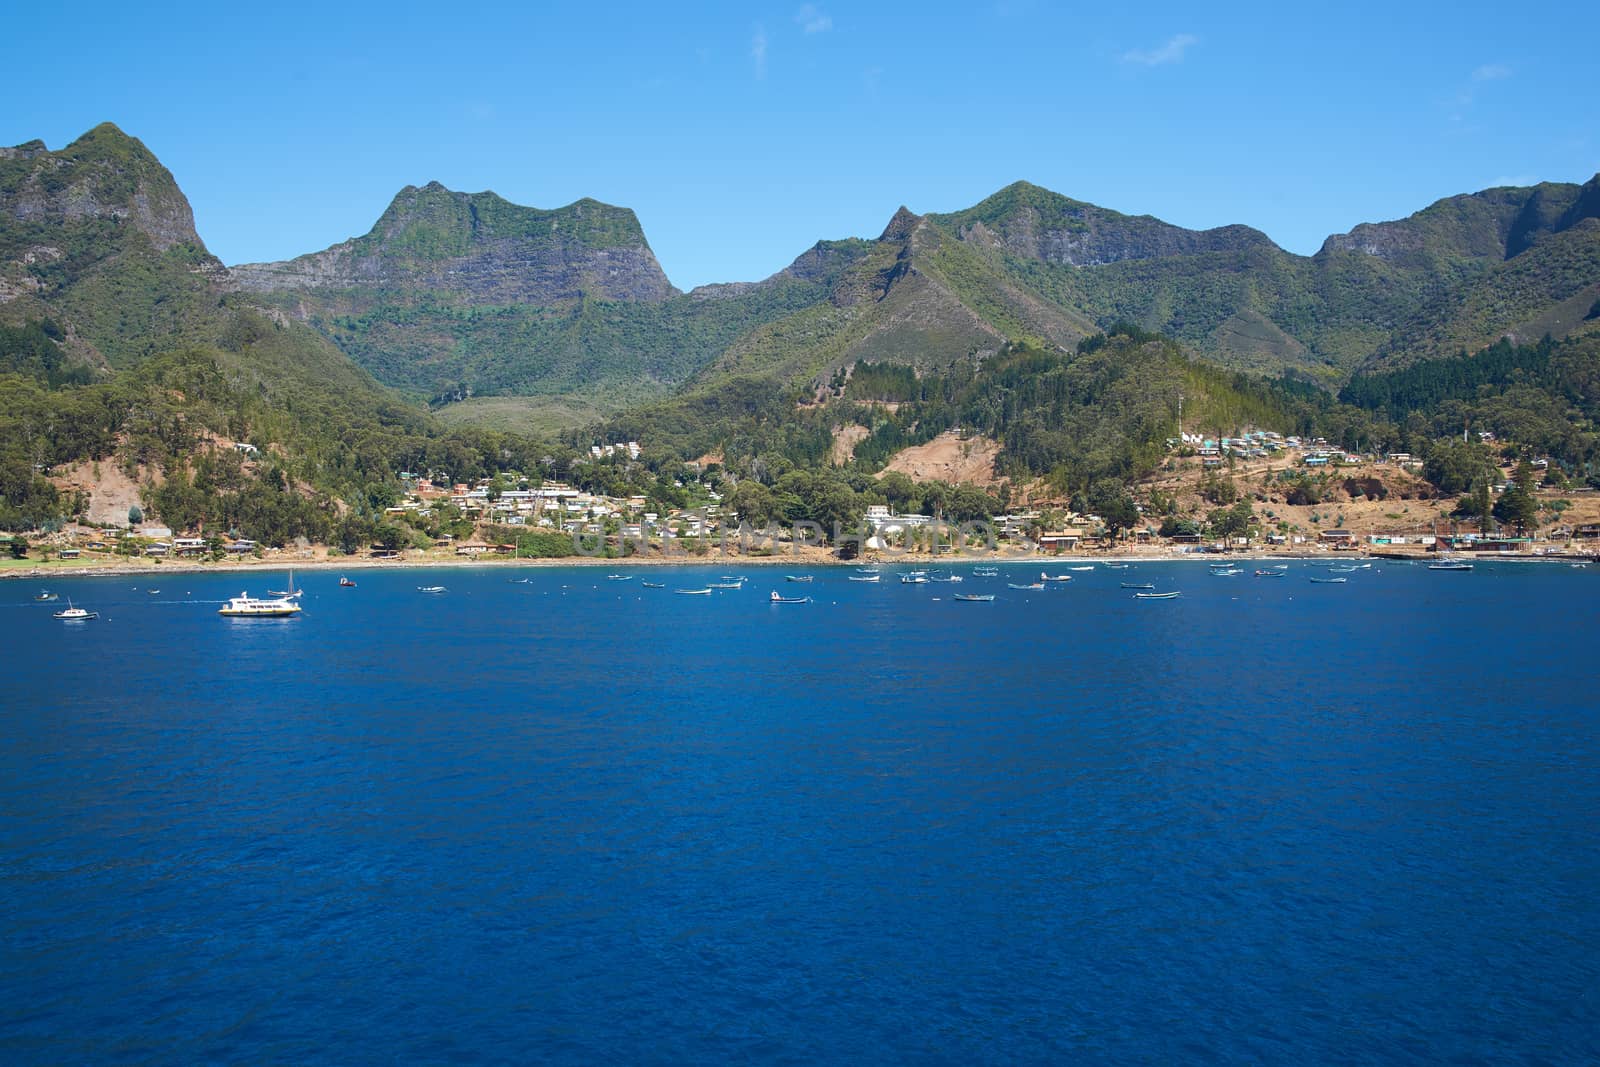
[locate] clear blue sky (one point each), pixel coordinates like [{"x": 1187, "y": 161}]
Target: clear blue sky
[{"x": 742, "y": 133}]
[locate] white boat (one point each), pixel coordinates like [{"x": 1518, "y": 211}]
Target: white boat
[
  {"x": 975, "y": 598},
  {"x": 654, "y": 585},
  {"x": 864, "y": 577},
  {"x": 1450, "y": 563},
  {"x": 776, "y": 599},
  {"x": 797, "y": 577},
  {"x": 1137, "y": 585},
  {"x": 75, "y": 614},
  {"x": 618, "y": 577},
  {"x": 430, "y": 588},
  {"x": 1035, "y": 585},
  {"x": 945, "y": 578},
  {"x": 45, "y": 597},
  {"x": 1090, "y": 567},
  {"x": 1225, "y": 572},
  {"x": 1055, "y": 577},
  {"x": 1155, "y": 596},
  {"x": 733, "y": 578},
  {"x": 693, "y": 592},
  {"x": 248, "y": 607},
  {"x": 290, "y": 593},
  {"x": 1330, "y": 581},
  {"x": 727, "y": 585},
  {"x": 914, "y": 578}
]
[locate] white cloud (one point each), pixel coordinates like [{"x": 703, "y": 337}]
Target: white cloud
[
  {"x": 758, "y": 51},
  {"x": 813, "y": 20},
  {"x": 1170, "y": 52},
  {"x": 1491, "y": 72}
]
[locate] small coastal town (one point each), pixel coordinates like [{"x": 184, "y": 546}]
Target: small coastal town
[{"x": 1258, "y": 492}]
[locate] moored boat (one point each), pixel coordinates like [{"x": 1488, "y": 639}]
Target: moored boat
[
  {"x": 864, "y": 577},
  {"x": 345, "y": 583},
  {"x": 72, "y": 613},
  {"x": 1450, "y": 563},
  {"x": 797, "y": 577},
  {"x": 975, "y": 598},
  {"x": 1155, "y": 596},
  {"x": 1330, "y": 581},
  {"x": 1034, "y": 585},
  {"x": 693, "y": 592},
  {"x": 245, "y": 606},
  {"x": 430, "y": 588},
  {"x": 46, "y": 597},
  {"x": 1137, "y": 585},
  {"x": 654, "y": 585},
  {"x": 776, "y": 599},
  {"x": 1054, "y": 577}
]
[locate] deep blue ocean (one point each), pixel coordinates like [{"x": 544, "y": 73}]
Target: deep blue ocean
[{"x": 581, "y": 821}]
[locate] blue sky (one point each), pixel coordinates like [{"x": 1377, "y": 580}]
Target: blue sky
[{"x": 743, "y": 133}]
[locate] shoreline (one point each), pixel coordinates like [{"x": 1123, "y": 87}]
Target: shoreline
[{"x": 107, "y": 569}]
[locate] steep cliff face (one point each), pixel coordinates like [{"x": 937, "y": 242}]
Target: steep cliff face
[
  {"x": 483, "y": 249},
  {"x": 103, "y": 175},
  {"x": 98, "y": 237}
]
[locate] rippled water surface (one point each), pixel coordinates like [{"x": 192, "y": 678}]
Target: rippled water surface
[{"x": 583, "y": 821}]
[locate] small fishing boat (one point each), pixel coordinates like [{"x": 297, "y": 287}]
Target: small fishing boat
[
  {"x": 1090, "y": 567},
  {"x": 345, "y": 583},
  {"x": 1450, "y": 563},
  {"x": 797, "y": 577},
  {"x": 975, "y": 598},
  {"x": 1226, "y": 572},
  {"x": 75, "y": 614},
  {"x": 1115, "y": 566},
  {"x": 430, "y": 588},
  {"x": 1269, "y": 574},
  {"x": 945, "y": 578},
  {"x": 693, "y": 592},
  {"x": 727, "y": 585},
  {"x": 1330, "y": 581},
  {"x": 46, "y": 597},
  {"x": 776, "y": 599},
  {"x": 1137, "y": 585},
  {"x": 654, "y": 585},
  {"x": 153, "y": 592},
  {"x": 733, "y": 578},
  {"x": 914, "y": 578},
  {"x": 619, "y": 577},
  {"x": 864, "y": 577},
  {"x": 1035, "y": 585},
  {"x": 1055, "y": 577},
  {"x": 1342, "y": 570},
  {"x": 1155, "y": 596},
  {"x": 511, "y": 581}
]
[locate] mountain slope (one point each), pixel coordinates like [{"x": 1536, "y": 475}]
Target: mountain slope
[{"x": 120, "y": 339}]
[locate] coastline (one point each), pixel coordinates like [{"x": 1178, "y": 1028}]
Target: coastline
[{"x": 813, "y": 558}]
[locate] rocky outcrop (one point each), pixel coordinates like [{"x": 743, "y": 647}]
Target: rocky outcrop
[
  {"x": 484, "y": 249},
  {"x": 1028, "y": 222}
]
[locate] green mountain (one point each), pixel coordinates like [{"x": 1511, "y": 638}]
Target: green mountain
[
  {"x": 454, "y": 295},
  {"x": 123, "y": 340}
]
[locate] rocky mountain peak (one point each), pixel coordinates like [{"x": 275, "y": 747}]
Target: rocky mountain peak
[
  {"x": 901, "y": 225},
  {"x": 105, "y": 174}
]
